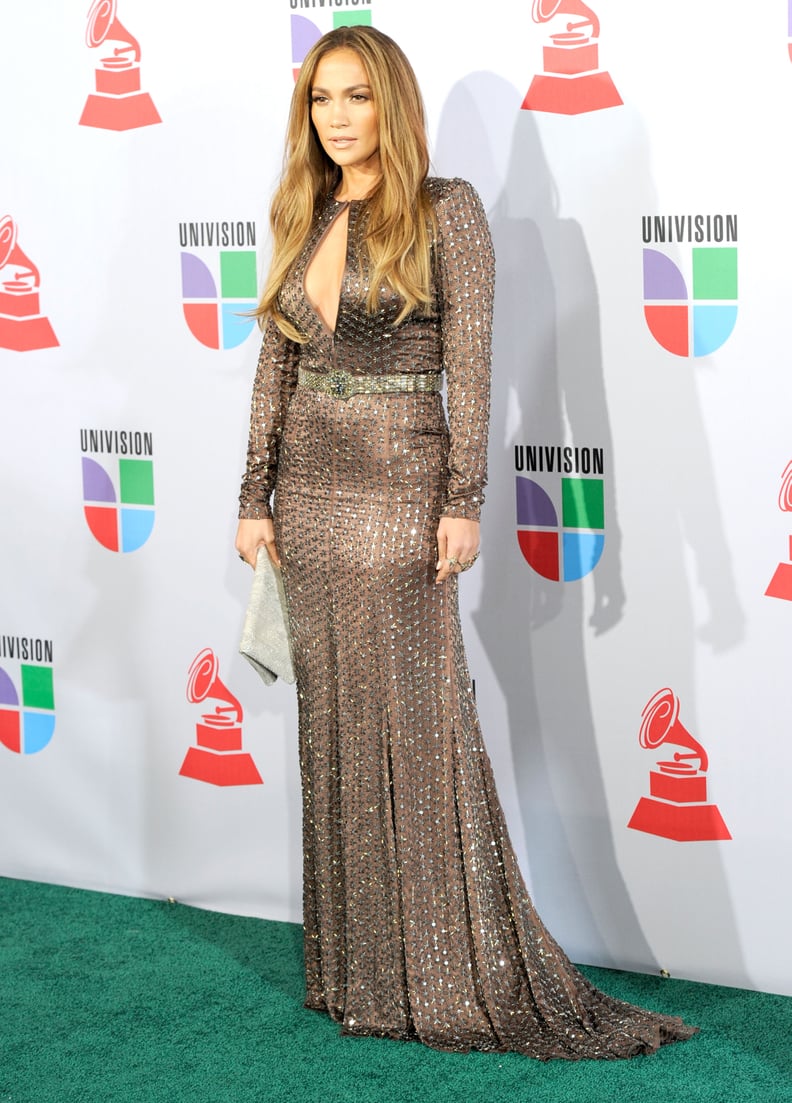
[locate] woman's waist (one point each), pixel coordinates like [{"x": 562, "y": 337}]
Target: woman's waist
[{"x": 342, "y": 382}]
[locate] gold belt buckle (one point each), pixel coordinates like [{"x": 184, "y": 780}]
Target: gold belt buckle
[{"x": 339, "y": 384}]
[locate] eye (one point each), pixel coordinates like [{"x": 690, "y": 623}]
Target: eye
[
  {"x": 318, "y": 98},
  {"x": 359, "y": 97}
]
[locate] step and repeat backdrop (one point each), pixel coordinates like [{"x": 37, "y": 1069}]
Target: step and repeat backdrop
[{"x": 629, "y": 622}]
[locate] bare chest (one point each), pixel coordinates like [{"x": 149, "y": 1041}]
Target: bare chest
[{"x": 324, "y": 275}]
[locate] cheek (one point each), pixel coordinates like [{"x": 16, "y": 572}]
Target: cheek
[
  {"x": 316, "y": 122},
  {"x": 316, "y": 133}
]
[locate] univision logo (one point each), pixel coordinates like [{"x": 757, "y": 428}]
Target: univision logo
[
  {"x": 561, "y": 514},
  {"x": 304, "y": 32},
  {"x": 219, "y": 281},
  {"x": 118, "y": 492},
  {"x": 27, "y": 717},
  {"x": 690, "y": 308}
]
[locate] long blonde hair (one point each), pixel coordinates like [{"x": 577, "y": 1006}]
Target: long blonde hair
[{"x": 398, "y": 219}]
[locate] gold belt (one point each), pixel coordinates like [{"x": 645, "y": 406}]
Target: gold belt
[{"x": 342, "y": 384}]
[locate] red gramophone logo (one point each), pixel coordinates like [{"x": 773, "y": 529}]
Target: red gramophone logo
[
  {"x": 22, "y": 325},
  {"x": 572, "y": 82},
  {"x": 118, "y": 103},
  {"x": 218, "y": 757},
  {"x": 677, "y": 808},
  {"x": 781, "y": 582}
]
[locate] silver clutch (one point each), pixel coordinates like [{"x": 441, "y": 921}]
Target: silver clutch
[{"x": 265, "y": 642}]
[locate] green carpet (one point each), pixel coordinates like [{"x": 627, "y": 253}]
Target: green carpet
[{"x": 109, "y": 998}]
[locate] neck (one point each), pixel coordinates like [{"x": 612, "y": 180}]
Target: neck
[{"x": 355, "y": 185}]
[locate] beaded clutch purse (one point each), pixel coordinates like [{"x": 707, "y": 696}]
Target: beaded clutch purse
[{"x": 265, "y": 639}]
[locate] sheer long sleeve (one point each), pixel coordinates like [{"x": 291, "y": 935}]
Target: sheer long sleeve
[
  {"x": 276, "y": 378},
  {"x": 466, "y": 266}
]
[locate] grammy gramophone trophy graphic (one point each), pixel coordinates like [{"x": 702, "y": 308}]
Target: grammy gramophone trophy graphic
[
  {"x": 781, "y": 582},
  {"x": 677, "y": 806},
  {"x": 118, "y": 103},
  {"x": 218, "y": 757},
  {"x": 572, "y": 82},
  {"x": 22, "y": 325}
]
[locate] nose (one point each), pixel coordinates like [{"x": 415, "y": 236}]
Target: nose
[{"x": 339, "y": 115}]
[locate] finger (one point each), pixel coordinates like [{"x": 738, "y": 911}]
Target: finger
[
  {"x": 446, "y": 567},
  {"x": 455, "y": 556},
  {"x": 272, "y": 552},
  {"x": 442, "y": 543}
]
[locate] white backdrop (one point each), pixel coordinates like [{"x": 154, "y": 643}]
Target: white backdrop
[{"x": 96, "y": 644}]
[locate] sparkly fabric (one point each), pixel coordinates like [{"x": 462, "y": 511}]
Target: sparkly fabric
[{"x": 417, "y": 920}]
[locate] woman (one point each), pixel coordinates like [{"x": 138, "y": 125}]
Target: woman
[{"x": 417, "y": 921}]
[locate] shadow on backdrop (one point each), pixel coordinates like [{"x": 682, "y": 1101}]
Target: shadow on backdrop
[{"x": 549, "y": 389}]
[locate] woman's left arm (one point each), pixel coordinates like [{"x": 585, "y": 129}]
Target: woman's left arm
[{"x": 466, "y": 268}]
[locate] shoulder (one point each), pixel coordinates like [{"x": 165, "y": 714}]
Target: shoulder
[
  {"x": 459, "y": 214},
  {"x": 452, "y": 191}
]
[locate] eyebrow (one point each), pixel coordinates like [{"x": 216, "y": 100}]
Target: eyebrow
[{"x": 352, "y": 88}]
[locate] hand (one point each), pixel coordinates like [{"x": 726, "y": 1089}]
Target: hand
[
  {"x": 457, "y": 543},
  {"x": 251, "y": 535}
]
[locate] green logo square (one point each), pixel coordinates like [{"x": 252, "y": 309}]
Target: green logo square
[
  {"x": 37, "y": 692},
  {"x": 714, "y": 273},
  {"x": 238, "y": 279},
  {"x": 351, "y": 19},
  {"x": 137, "y": 482},
  {"x": 582, "y": 504}
]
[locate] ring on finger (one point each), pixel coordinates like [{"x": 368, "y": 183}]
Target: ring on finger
[{"x": 468, "y": 563}]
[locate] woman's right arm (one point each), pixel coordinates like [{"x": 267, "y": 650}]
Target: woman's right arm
[{"x": 276, "y": 378}]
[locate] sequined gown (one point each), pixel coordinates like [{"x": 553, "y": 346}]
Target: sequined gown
[{"x": 417, "y": 920}]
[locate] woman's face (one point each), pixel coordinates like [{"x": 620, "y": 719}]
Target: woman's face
[{"x": 343, "y": 112}]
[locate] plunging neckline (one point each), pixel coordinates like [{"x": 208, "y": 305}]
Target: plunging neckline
[{"x": 341, "y": 205}]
